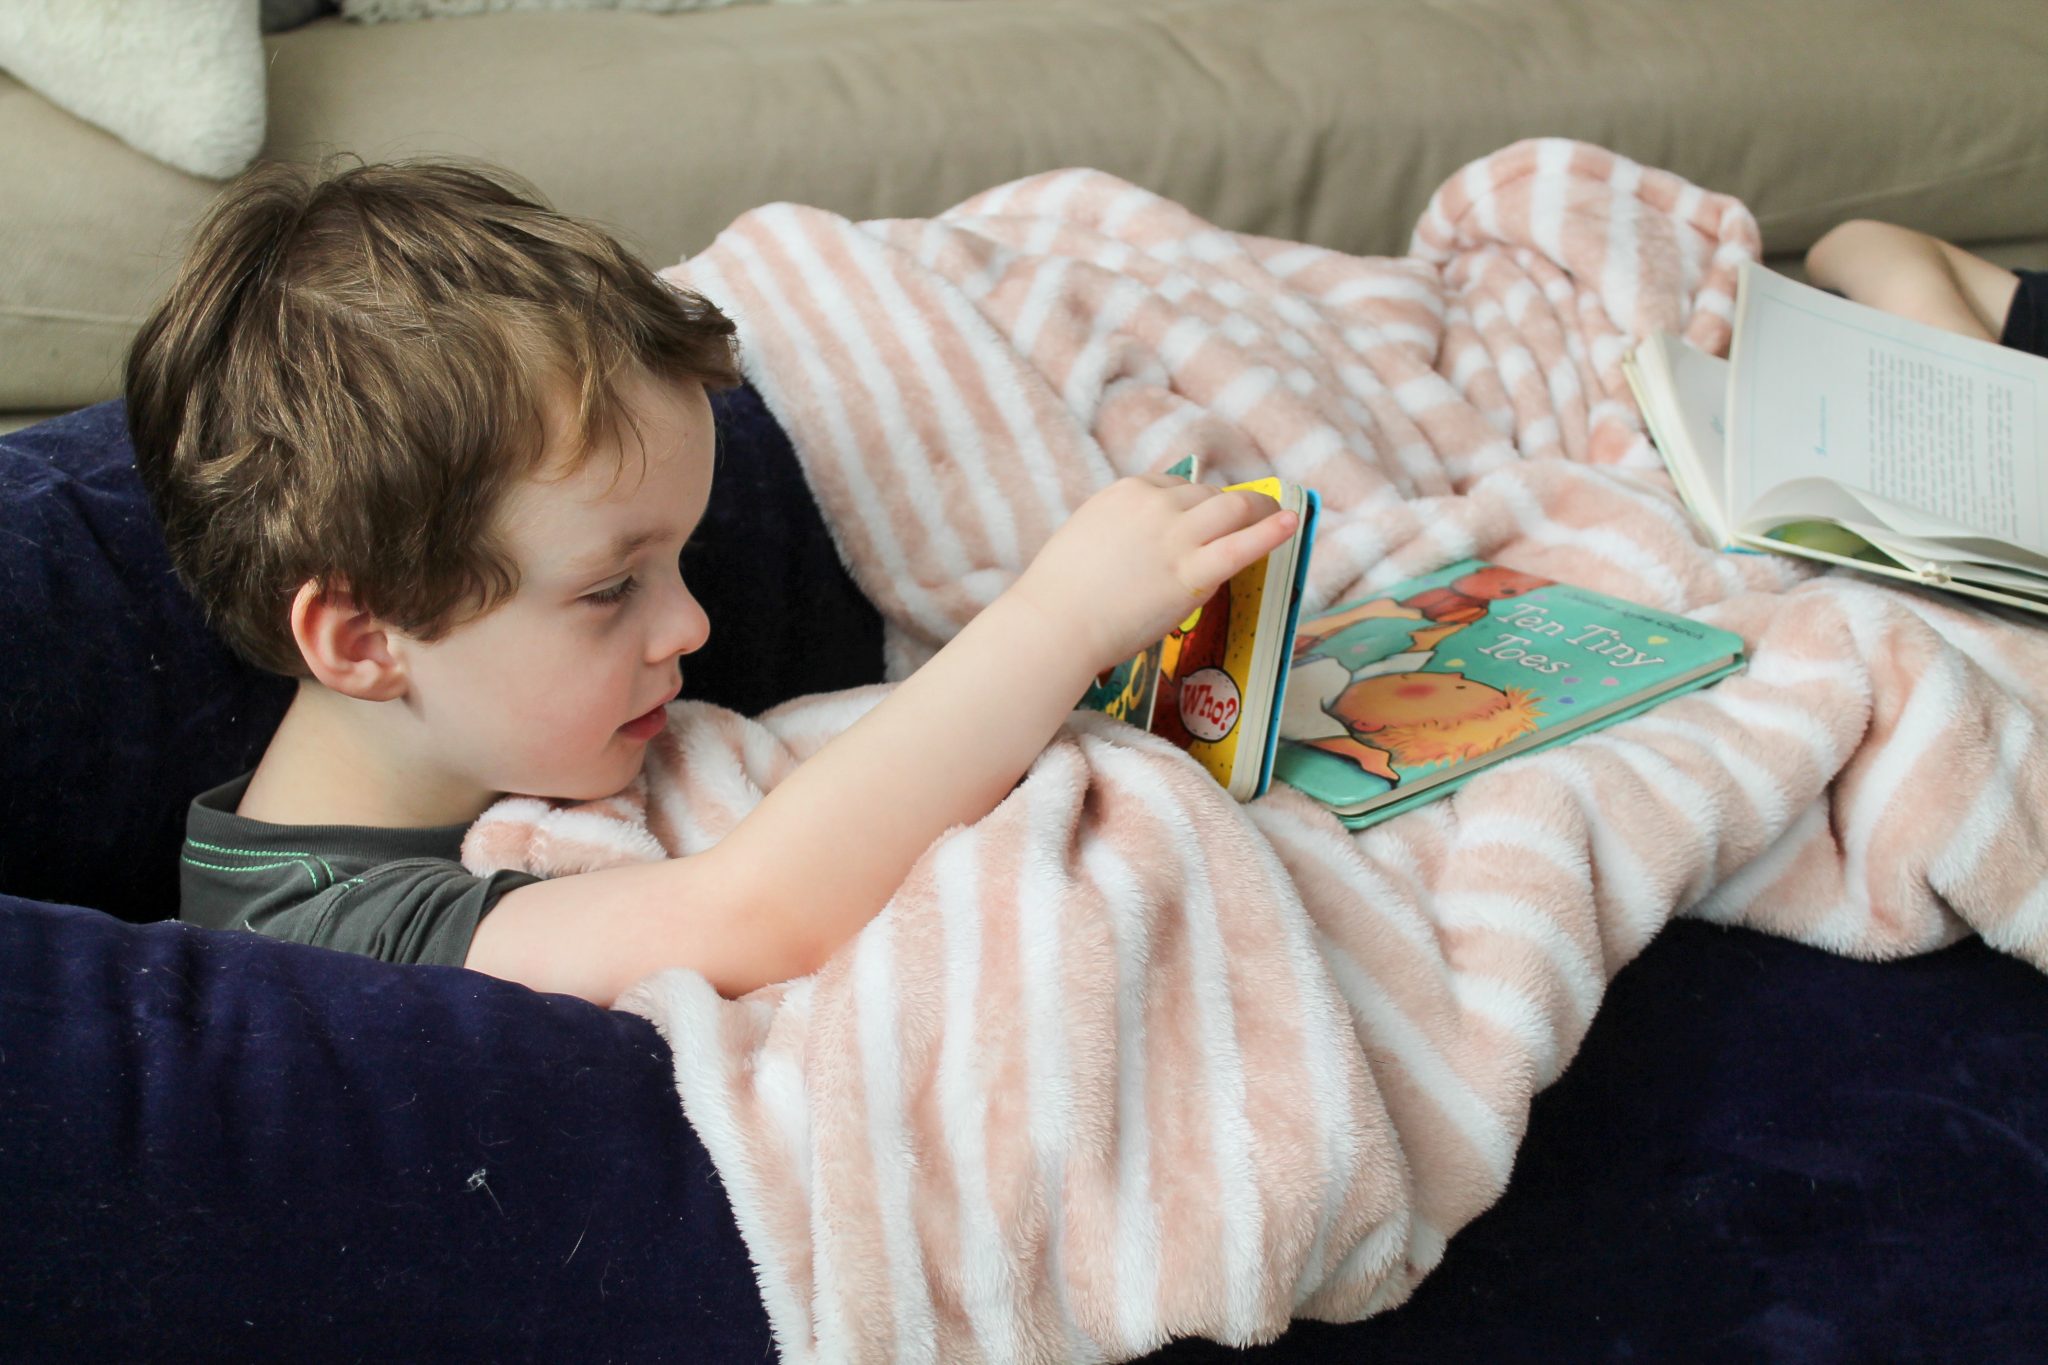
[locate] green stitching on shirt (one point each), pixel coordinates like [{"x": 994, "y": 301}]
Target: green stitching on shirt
[
  {"x": 251, "y": 852},
  {"x": 261, "y": 853},
  {"x": 260, "y": 867},
  {"x": 216, "y": 848}
]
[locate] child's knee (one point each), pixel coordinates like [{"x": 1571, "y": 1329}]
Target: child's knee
[
  {"x": 1862, "y": 239},
  {"x": 1929, "y": 295}
]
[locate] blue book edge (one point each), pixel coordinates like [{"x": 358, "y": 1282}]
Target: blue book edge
[{"x": 1311, "y": 511}]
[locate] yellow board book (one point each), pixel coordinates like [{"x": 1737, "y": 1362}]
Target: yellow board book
[{"x": 1215, "y": 686}]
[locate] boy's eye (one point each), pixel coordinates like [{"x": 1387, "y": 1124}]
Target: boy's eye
[{"x": 617, "y": 592}]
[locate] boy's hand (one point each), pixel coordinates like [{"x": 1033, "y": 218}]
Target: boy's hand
[{"x": 1136, "y": 558}]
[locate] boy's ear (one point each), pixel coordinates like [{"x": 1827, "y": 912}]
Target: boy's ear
[{"x": 346, "y": 647}]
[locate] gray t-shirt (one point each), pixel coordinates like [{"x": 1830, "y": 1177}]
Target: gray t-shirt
[{"x": 397, "y": 894}]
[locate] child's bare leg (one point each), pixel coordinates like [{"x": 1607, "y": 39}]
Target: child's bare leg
[{"x": 1915, "y": 276}]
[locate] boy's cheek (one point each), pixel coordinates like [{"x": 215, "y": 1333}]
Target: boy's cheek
[{"x": 561, "y": 709}]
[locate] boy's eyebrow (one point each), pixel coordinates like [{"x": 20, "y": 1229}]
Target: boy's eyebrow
[{"x": 623, "y": 547}]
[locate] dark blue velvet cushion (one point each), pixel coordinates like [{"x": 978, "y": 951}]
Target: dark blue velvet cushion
[
  {"x": 1762, "y": 1152},
  {"x": 215, "y": 1146},
  {"x": 117, "y": 706}
]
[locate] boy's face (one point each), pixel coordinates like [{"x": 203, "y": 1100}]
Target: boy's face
[{"x": 556, "y": 691}]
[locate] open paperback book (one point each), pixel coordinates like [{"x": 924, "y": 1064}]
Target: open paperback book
[
  {"x": 1216, "y": 684},
  {"x": 1852, "y": 436}
]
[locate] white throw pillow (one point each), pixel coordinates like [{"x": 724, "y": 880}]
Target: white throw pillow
[{"x": 182, "y": 80}]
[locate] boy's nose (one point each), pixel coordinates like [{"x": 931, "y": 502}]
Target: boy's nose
[{"x": 684, "y": 626}]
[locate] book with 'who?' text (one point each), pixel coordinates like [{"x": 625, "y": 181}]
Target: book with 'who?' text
[{"x": 1215, "y": 686}]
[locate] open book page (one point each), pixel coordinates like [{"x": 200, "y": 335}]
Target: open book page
[
  {"x": 1945, "y": 433},
  {"x": 1904, "y": 533},
  {"x": 1683, "y": 393}
]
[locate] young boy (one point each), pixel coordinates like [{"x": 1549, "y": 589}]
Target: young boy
[
  {"x": 1932, "y": 281},
  {"x": 433, "y": 450}
]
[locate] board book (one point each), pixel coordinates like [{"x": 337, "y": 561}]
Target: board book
[
  {"x": 1215, "y": 686},
  {"x": 1395, "y": 699},
  {"x": 1848, "y": 435}
]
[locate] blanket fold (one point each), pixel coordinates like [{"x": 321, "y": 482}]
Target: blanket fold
[{"x": 1124, "y": 1060}]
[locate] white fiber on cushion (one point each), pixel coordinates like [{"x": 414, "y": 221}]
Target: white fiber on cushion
[
  {"x": 182, "y": 80},
  {"x": 377, "y": 11}
]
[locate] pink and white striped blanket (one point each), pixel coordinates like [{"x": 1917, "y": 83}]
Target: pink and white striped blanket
[{"x": 1125, "y": 1061}]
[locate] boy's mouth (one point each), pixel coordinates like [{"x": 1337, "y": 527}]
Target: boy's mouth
[{"x": 649, "y": 723}]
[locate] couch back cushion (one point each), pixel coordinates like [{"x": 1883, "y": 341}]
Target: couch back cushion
[{"x": 1328, "y": 121}]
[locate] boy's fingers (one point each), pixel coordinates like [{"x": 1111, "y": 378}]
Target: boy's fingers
[
  {"x": 1181, "y": 495},
  {"x": 1226, "y": 512},
  {"x": 1216, "y": 560},
  {"x": 1177, "y": 495}
]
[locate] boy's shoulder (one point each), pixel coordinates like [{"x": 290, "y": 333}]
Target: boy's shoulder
[{"x": 398, "y": 894}]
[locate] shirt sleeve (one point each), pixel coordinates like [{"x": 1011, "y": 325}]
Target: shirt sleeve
[
  {"x": 412, "y": 910},
  {"x": 2026, "y": 322}
]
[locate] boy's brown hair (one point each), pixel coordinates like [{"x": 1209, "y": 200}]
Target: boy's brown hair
[{"x": 352, "y": 368}]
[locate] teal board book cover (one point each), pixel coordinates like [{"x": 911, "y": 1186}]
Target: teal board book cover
[
  {"x": 1396, "y": 699},
  {"x": 1128, "y": 691}
]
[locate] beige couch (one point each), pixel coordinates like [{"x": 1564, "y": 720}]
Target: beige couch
[{"x": 1324, "y": 120}]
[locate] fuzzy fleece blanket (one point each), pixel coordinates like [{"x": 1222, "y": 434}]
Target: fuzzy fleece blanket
[{"x": 1125, "y": 1061}]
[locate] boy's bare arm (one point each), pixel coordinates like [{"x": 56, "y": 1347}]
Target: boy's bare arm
[
  {"x": 1915, "y": 276},
  {"x": 824, "y": 851}
]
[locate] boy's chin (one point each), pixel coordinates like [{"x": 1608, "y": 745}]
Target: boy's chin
[
  {"x": 605, "y": 773},
  {"x": 600, "y": 785}
]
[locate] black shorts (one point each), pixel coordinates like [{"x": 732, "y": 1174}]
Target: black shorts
[{"x": 2026, "y": 324}]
